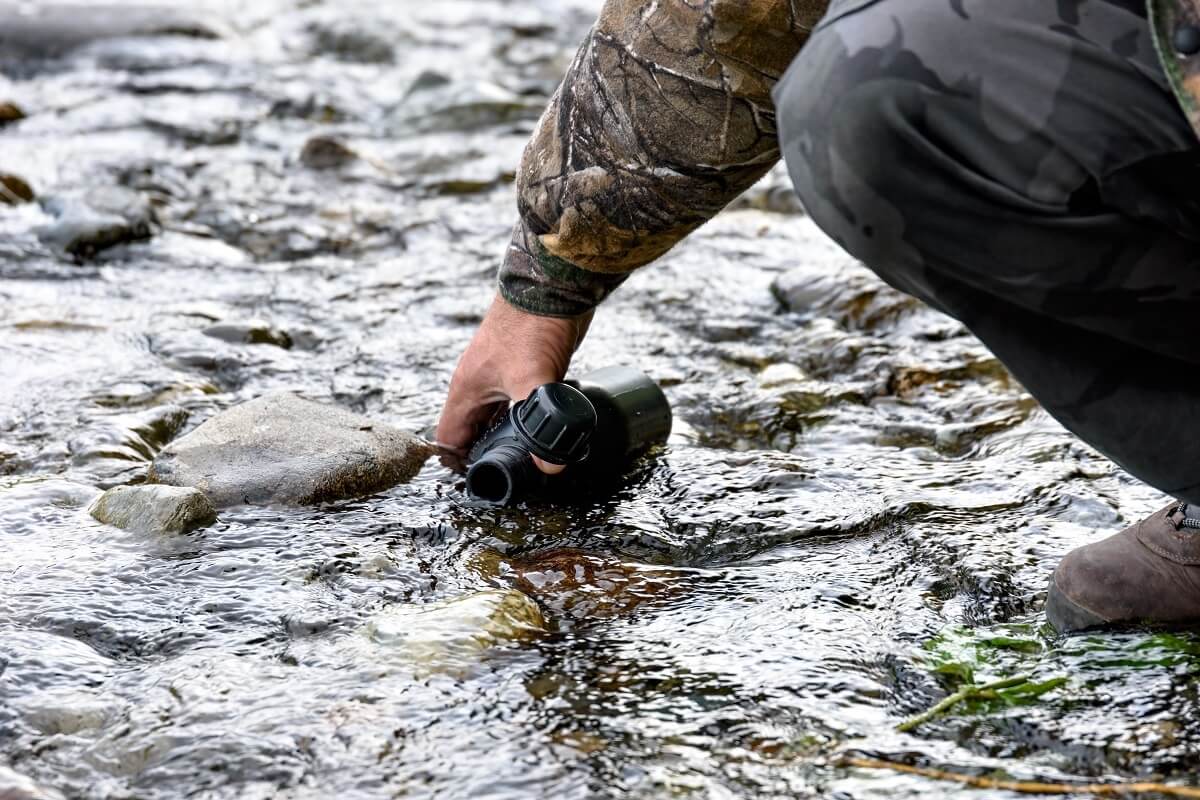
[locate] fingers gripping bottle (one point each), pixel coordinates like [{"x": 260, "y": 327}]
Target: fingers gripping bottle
[{"x": 605, "y": 419}]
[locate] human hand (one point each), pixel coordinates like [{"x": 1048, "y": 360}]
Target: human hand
[{"x": 511, "y": 354}]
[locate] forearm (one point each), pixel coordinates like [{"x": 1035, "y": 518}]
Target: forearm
[{"x": 663, "y": 118}]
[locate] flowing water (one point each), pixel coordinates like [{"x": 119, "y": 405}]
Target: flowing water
[{"x": 856, "y": 514}]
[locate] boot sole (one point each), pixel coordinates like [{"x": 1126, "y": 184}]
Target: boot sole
[{"x": 1068, "y": 616}]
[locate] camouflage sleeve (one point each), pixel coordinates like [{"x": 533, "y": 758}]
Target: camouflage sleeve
[{"x": 663, "y": 118}]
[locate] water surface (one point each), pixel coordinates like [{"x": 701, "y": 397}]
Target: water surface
[{"x": 858, "y": 509}]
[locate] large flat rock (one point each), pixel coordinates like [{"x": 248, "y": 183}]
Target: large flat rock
[{"x": 284, "y": 450}]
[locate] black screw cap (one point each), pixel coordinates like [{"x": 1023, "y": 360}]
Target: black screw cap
[
  {"x": 556, "y": 423},
  {"x": 1187, "y": 40}
]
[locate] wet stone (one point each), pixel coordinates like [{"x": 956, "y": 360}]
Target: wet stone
[
  {"x": 154, "y": 509},
  {"x": 252, "y": 332},
  {"x": 65, "y": 712},
  {"x": 284, "y": 450},
  {"x": 852, "y": 295},
  {"x": 317, "y": 108},
  {"x": 135, "y": 394},
  {"x": 454, "y": 633},
  {"x": 48, "y": 30},
  {"x": 209, "y": 132},
  {"x": 457, "y": 107},
  {"x": 99, "y": 219},
  {"x": 583, "y": 585},
  {"x": 10, "y": 112},
  {"x": 14, "y": 190},
  {"x": 428, "y": 79},
  {"x": 118, "y": 448},
  {"x": 345, "y": 41},
  {"x": 781, "y": 375},
  {"x": 325, "y": 152},
  {"x": 774, "y": 193}
]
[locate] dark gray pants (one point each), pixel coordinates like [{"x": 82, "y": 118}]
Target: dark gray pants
[{"x": 1022, "y": 166}]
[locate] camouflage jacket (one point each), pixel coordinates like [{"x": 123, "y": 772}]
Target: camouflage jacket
[{"x": 664, "y": 117}]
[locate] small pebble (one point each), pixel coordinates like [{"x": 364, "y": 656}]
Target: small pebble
[
  {"x": 324, "y": 152},
  {"x": 10, "y": 112},
  {"x": 253, "y": 332},
  {"x": 14, "y": 190}
]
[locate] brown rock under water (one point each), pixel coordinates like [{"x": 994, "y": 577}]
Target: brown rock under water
[
  {"x": 10, "y": 112},
  {"x": 14, "y": 190},
  {"x": 584, "y": 585}
]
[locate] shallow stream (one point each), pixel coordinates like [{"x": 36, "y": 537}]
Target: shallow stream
[{"x": 857, "y": 512}]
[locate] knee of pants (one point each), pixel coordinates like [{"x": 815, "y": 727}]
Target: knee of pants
[
  {"x": 910, "y": 129},
  {"x": 854, "y": 112},
  {"x": 858, "y": 159}
]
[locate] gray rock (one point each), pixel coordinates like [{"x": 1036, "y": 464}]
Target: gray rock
[
  {"x": 325, "y": 152},
  {"x": 154, "y": 509},
  {"x": 115, "y": 449},
  {"x": 428, "y": 79},
  {"x": 282, "y": 449},
  {"x": 774, "y": 193},
  {"x": 99, "y": 219},
  {"x": 251, "y": 332},
  {"x": 14, "y": 190},
  {"x": 848, "y": 293}
]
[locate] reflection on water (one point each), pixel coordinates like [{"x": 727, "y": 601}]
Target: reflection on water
[{"x": 857, "y": 513}]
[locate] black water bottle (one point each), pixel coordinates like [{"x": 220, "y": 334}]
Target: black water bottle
[{"x": 605, "y": 419}]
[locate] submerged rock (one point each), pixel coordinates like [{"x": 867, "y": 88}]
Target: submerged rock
[
  {"x": 325, "y": 152},
  {"x": 283, "y": 449},
  {"x": 584, "y": 585},
  {"x": 456, "y": 107},
  {"x": 47, "y": 30},
  {"x": 14, "y": 190},
  {"x": 101, "y": 218},
  {"x": 347, "y": 41},
  {"x": 10, "y": 112},
  {"x": 64, "y": 711},
  {"x": 251, "y": 332},
  {"x": 454, "y": 633},
  {"x": 154, "y": 509},
  {"x": 116, "y": 449},
  {"x": 849, "y": 294}
]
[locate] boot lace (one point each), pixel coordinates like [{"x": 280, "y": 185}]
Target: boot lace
[{"x": 1186, "y": 521}]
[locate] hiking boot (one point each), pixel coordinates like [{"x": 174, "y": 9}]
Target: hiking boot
[{"x": 1149, "y": 572}]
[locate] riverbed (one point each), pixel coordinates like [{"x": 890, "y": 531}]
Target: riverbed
[{"x": 856, "y": 514}]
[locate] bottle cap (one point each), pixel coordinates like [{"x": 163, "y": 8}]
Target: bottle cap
[{"x": 555, "y": 423}]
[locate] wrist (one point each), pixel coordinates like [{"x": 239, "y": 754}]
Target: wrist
[{"x": 540, "y": 283}]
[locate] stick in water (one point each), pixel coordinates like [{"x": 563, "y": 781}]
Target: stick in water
[{"x": 1024, "y": 787}]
